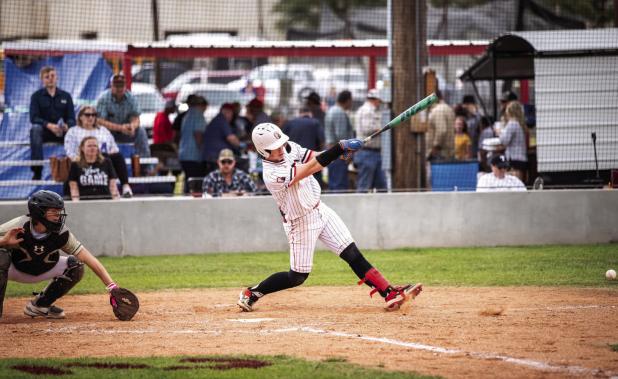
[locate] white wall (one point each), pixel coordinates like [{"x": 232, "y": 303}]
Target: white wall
[{"x": 384, "y": 221}]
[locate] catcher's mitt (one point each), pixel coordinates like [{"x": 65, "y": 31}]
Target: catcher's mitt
[{"x": 124, "y": 303}]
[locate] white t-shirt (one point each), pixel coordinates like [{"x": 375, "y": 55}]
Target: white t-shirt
[
  {"x": 490, "y": 182},
  {"x": 302, "y": 197}
]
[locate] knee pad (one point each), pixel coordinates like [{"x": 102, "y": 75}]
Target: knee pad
[
  {"x": 61, "y": 285},
  {"x": 297, "y": 278}
]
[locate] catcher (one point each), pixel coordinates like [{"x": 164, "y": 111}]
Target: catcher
[{"x": 30, "y": 253}]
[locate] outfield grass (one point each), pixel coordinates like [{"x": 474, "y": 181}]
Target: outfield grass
[
  {"x": 582, "y": 266},
  {"x": 177, "y": 367}
]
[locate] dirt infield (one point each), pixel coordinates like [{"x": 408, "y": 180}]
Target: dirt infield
[{"x": 454, "y": 332}]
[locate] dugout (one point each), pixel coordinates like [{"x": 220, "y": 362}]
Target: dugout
[{"x": 575, "y": 93}]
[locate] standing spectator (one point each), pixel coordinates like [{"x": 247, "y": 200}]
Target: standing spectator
[
  {"x": 227, "y": 180},
  {"x": 218, "y": 136},
  {"x": 162, "y": 131},
  {"x": 51, "y": 114},
  {"x": 463, "y": 145},
  {"x": 498, "y": 179},
  {"x": 473, "y": 119},
  {"x": 314, "y": 103},
  {"x": 505, "y": 99},
  {"x": 337, "y": 127},
  {"x": 440, "y": 138},
  {"x": 306, "y": 131},
  {"x": 255, "y": 113},
  {"x": 513, "y": 138},
  {"x": 87, "y": 126},
  {"x": 92, "y": 176},
  {"x": 191, "y": 137},
  {"x": 368, "y": 160},
  {"x": 119, "y": 112},
  {"x": 487, "y": 131}
]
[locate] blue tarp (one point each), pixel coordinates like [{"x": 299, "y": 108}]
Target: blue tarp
[{"x": 84, "y": 76}]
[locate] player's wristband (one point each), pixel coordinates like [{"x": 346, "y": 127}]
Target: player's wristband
[
  {"x": 328, "y": 156},
  {"x": 111, "y": 286}
]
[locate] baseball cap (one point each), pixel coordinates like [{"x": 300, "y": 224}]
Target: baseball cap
[
  {"x": 500, "y": 161},
  {"x": 226, "y": 154},
  {"x": 117, "y": 79},
  {"x": 373, "y": 94},
  {"x": 468, "y": 99},
  {"x": 508, "y": 96}
]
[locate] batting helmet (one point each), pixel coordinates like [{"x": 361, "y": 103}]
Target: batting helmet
[
  {"x": 267, "y": 137},
  {"x": 40, "y": 202}
]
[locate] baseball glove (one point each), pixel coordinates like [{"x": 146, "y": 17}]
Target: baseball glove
[{"x": 124, "y": 303}]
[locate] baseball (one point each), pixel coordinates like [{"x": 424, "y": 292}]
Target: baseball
[{"x": 610, "y": 275}]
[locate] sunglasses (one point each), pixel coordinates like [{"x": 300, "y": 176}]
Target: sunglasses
[
  {"x": 89, "y": 114},
  {"x": 226, "y": 161}
]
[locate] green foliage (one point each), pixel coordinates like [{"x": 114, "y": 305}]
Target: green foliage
[
  {"x": 163, "y": 367},
  {"x": 614, "y": 346},
  {"x": 484, "y": 266},
  {"x": 596, "y": 13}
]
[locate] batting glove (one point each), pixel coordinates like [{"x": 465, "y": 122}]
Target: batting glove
[{"x": 351, "y": 144}]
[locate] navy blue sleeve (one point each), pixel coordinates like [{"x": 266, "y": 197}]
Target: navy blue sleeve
[
  {"x": 69, "y": 115},
  {"x": 35, "y": 110}
]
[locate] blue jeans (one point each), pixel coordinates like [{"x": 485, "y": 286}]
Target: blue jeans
[
  {"x": 338, "y": 175},
  {"x": 139, "y": 139},
  {"x": 370, "y": 174}
]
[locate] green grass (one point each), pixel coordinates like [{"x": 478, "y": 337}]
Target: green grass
[
  {"x": 581, "y": 266},
  {"x": 279, "y": 367},
  {"x": 614, "y": 347}
]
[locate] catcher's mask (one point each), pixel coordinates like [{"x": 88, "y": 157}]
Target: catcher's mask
[
  {"x": 40, "y": 202},
  {"x": 267, "y": 137}
]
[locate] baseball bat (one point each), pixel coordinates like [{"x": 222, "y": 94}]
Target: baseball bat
[{"x": 405, "y": 115}]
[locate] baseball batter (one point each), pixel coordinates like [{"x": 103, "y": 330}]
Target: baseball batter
[
  {"x": 30, "y": 253},
  {"x": 287, "y": 173}
]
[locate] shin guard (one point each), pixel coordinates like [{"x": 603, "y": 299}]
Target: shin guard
[{"x": 61, "y": 285}]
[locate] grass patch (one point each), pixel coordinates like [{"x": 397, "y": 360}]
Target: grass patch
[
  {"x": 248, "y": 367},
  {"x": 614, "y": 346},
  {"x": 581, "y": 266}
]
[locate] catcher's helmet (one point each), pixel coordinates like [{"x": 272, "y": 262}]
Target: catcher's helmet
[
  {"x": 38, "y": 204},
  {"x": 267, "y": 137}
]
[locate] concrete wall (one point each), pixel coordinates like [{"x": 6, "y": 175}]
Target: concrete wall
[{"x": 385, "y": 221}]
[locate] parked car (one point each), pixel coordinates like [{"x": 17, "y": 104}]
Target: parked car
[
  {"x": 200, "y": 76},
  {"x": 150, "y": 102},
  {"x": 215, "y": 94},
  {"x": 273, "y": 76},
  {"x": 335, "y": 80},
  {"x": 144, "y": 73}
]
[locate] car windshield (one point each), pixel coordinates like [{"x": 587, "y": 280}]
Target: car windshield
[
  {"x": 349, "y": 77},
  {"x": 149, "y": 102},
  {"x": 218, "y": 97}
]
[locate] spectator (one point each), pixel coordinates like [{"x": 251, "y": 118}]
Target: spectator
[
  {"x": 162, "y": 131},
  {"x": 218, "y": 136},
  {"x": 368, "y": 160},
  {"x": 92, "y": 176},
  {"x": 255, "y": 113},
  {"x": 119, "y": 112},
  {"x": 51, "y": 114},
  {"x": 306, "y": 131},
  {"x": 191, "y": 137},
  {"x": 337, "y": 127},
  {"x": 87, "y": 126},
  {"x": 487, "y": 131},
  {"x": 505, "y": 99},
  {"x": 473, "y": 119},
  {"x": 498, "y": 179},
  {"x": 314, "y": 103},
  {"x": 440, "y": 139},
  {"x": 181, "y": 111},
  {"x": 463, "y": 145},
  {"x": 513, "y": 138},
  {"x": 227, "y": 180}
]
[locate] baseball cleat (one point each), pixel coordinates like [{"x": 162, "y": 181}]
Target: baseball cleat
[
  {"x": 246, "y": 299},
  {"x": 50, "y": 312},
  {"x": 400, "y": 295}
]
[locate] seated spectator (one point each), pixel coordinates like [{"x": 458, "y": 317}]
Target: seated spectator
[
  {"x": 162, "y": 131},
  {"x": 87, "y": 126},
  {"x": 92, "y": 176},
  {"x": 51, "y": 115},
  {"x": 119, "y": 112},
  {"x": 227, "y": 180},
  {"x": 219, "y": 136},
  {"x": 191, "y": 138},
  {"x": 486, "y": 131},
  {"x": 463, "y": 144},
  {"x": 498, "y": 179}
]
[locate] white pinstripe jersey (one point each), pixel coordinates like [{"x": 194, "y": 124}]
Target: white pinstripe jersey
[{"x": 302, "y": 197}]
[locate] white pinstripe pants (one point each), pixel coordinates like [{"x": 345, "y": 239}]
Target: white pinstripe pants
[{"x": 303, "y": 233}]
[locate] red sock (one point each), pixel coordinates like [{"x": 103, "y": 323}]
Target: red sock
[{"x": 373, "y": 278}]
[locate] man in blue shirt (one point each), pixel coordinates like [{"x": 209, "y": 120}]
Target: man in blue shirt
[
  {"x": 51, "y": 114},
  {"x": 119, "y": 112},
  {"x": 337, "y": 127},
  {"x": 191, "y": 139},
  {"x": 219, "y": 136}
]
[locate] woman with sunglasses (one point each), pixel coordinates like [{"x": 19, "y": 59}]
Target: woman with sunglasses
[{"x": 86, "y": 127}]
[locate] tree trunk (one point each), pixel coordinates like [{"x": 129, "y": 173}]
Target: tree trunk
[{"x": 409, "y": 57}]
